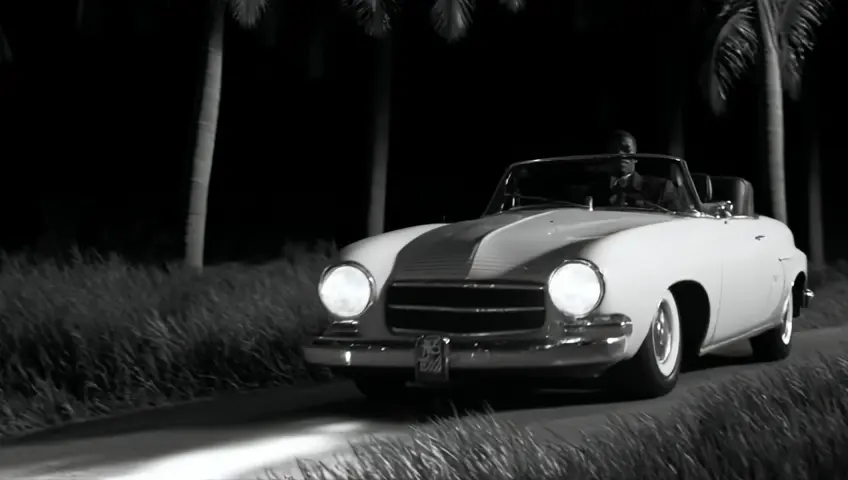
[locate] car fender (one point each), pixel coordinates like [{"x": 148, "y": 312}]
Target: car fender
[
  {"x": 378, "y": 253},
  {"x": 782, "y": 246},
  {"x": 638, "y": 265}
]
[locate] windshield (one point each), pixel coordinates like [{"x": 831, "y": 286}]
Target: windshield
[{"x": 620, "y": 181}]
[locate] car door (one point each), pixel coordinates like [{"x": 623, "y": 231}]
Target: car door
[{"x": 752, "y": 278}]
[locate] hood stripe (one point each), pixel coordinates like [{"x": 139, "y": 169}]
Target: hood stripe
[
  {"x": 448, "y": 252},
  {"x": 489, "y": 248}
]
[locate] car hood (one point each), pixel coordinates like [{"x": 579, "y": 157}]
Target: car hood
[{"x": 521, "y": 245}]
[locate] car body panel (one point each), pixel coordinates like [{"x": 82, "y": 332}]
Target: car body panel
[
  {"x": 507, "y": 246},
  {"x": 746, "y": 266},
  {"x": 494, "y": 249},
  {"x": 378, "y": 253}
]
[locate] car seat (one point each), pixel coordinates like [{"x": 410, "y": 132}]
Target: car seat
[{"x": 736, "y": 190}]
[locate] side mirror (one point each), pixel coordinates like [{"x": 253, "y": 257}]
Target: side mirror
[
  {"x": 724, "y": 209},
  {"x": 704, "y": 186}
]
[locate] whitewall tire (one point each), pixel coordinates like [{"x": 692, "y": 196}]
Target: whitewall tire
[{"x": 655, "y": 369}]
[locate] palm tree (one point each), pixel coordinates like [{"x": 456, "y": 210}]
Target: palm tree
[
  {"x": 5, "y": 49},
  {"x": 777, "y": 36},
  {"x": 247, "y": 13},
  {"x": 810, "y": 139},
  {"x": 451, "y": 20}
]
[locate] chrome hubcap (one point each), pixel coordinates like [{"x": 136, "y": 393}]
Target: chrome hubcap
[{"x": 661, "y": 333}]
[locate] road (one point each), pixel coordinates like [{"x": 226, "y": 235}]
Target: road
[{"x": 240, "y": 436}]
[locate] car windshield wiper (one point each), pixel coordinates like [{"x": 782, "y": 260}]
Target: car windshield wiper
[
  {"x": 643, "y": 204},
  {"x": 656, "y": 206},
  {"x": 551, "y": 201}
]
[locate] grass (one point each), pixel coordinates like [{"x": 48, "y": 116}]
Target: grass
[
  {"x": 830, "y": 307},
  {"x": 791, "y": 423},
  {"x": 95, "y": 336}
]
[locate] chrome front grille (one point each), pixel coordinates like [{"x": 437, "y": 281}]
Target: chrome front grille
[{"x": 464, "y": 308}]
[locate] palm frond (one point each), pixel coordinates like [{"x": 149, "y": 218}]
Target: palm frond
[
  {"x": 734, "y": 51},
  {"x": 5, "y": 49},
  {"x": 375, "y": 16},
  {"x": 797, "y": 27},
  {"x": 452, "y": 18},
  {"x": 248, "y": 12},
  {"x": 514, "y": 6}
]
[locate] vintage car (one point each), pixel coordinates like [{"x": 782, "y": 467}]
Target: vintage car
[{"x": 556, "y": 281}]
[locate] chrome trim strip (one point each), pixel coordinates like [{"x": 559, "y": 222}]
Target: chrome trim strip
[
  {"x": 504, "y": 333},
  {"x": 690, "y": 184},
  {"x": 603, "y": 326},
  {"x": 425, "y": 308},
  {"x": 460, "y": 285},
  {"x": 807, "y": 298},
  {"x": 602, "y": 342},
  {"x": 562, "y": 353}
]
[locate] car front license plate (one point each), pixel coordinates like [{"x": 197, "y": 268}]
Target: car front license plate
[{"x": 432, "y": 362}]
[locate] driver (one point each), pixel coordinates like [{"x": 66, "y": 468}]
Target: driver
[{"x": 625, "y": 187}]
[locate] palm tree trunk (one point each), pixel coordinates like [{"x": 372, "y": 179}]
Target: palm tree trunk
[
  {"x": 204, "y": 150},
  {"x": 774, "y": 113},
  {"x": 814, "y": 195},
  {"x": 5, "y": 50},
  {"x": 380, "y": 147}
]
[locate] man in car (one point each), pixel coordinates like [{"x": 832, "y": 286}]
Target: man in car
[{"x": 626, "y": 187}]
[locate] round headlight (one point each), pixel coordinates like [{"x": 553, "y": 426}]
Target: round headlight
[
  {"x": 346, "y": 290},
  {"x": 576, "y": 288}
]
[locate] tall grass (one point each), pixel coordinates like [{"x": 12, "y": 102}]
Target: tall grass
[
  {"x": 88, "y": 336},
  {"x": 791, "y": 423},
  {"x": 95, "y": 335}
]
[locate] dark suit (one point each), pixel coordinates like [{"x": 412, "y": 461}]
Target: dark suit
[{"x": 635, "y": 190}]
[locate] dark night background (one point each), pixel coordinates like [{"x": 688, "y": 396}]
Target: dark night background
[{"x": 96, "y": 127}]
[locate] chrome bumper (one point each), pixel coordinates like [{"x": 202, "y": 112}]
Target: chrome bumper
[
  {"x": 602, "y": 342},
  {"x": 807, "y": 298}
]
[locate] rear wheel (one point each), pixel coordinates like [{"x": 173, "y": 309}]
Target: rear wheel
[
  {"x": 776, "y": 344},
  {"x": 654, "y": 370}
]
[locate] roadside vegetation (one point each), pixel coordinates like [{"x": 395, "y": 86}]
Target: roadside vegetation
[
  {"x": 787, "y": 424},
  {"x": 94, "y": 336}
]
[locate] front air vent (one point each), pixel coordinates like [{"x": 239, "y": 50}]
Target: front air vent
[{"x": 464, "y": 308}]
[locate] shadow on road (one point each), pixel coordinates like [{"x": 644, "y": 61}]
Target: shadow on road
[
  {"x": 278, "y": 415},
  {"x": 582, "y": 399},
  {"x": 234, "y": 410},
  {"x": 335, "y": 400}
]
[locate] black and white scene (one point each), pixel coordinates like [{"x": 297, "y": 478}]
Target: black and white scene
[{"x": 436, "y": 239}]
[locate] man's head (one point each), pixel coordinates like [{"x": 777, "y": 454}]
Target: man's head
[{"x": 622, "y": 142}]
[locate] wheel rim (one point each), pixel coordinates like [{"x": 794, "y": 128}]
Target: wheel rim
[
  {"x": 786, "y": 331},
  {"x": 663, "y": 336}
]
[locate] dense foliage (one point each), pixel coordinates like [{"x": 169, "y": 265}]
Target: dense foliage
[{"x": 95, "y": 336}]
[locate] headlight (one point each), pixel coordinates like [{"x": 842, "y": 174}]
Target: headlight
[
  {"x": 346, "y": 290},
  {"x": 576, "y": 288}
]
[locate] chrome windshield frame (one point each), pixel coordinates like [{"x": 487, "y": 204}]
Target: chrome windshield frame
[{"x": 684, "y": 168}]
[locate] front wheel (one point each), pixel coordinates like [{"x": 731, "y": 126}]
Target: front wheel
[
  {"x": 654, "y": 370},
  {"x": 776, "y": 344}
]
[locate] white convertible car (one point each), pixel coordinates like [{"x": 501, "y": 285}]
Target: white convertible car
[{"x": 566, "y": 275}]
